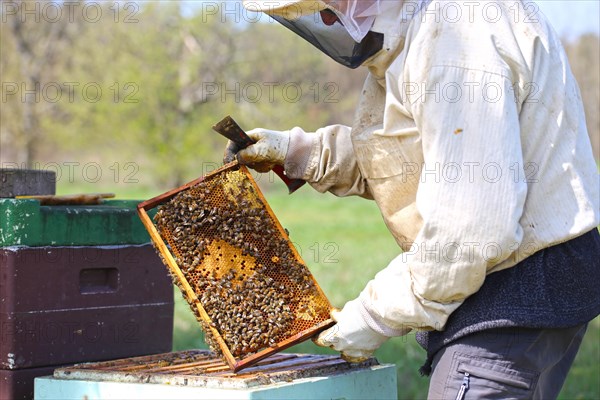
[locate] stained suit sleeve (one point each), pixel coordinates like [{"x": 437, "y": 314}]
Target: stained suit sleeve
[{"x": 326, "y": 160}]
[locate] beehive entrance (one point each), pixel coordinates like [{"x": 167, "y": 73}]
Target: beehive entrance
[{"x": 236, "y": 267}]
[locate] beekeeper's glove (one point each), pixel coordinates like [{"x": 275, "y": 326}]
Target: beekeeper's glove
[
  {"x": 269, "y": 150},
  {"x": 351, "y": 335}
]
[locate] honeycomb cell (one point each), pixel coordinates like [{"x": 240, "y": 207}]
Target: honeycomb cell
[{"x": 248, "y": 278}]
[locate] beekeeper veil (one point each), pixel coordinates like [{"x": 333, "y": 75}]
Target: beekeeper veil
[{"x": 339, "y": 28}]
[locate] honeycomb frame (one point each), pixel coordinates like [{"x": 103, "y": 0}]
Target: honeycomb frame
[{"x": 233, "y": 184}]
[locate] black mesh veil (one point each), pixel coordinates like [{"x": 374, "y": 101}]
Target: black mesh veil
[{"x": 334, "y": 40}]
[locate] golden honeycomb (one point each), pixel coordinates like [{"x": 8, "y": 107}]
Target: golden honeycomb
[{"x": 232, "y": 256}]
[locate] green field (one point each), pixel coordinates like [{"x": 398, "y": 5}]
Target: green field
[{"x": 345, "y": 242}]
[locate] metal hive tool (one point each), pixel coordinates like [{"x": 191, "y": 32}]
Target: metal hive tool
[{"x": 233, "y": 262}]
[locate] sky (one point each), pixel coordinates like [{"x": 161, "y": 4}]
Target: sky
[{"x": 571, "y": 18}]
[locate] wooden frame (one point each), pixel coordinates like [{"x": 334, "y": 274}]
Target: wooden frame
[{"x": 171, "y": 264}]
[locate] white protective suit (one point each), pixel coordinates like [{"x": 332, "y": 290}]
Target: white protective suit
[{"x": 470, "y": 137}]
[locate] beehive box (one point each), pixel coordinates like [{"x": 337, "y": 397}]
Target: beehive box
[
  {"x": 17, "y": 384},
  {"x": 25, "y": 222},
  {"x": 234, "y": 263},
  {"x": 198, "y": 374},
  {"x": 61, "y": 305}
]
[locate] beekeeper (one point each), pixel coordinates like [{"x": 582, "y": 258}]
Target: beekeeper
[{"x": 470, "y": 136}]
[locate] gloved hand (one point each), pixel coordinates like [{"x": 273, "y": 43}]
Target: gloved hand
[
  {"x": 351, "y": 335},
  {"x": 269, "y": 150}
]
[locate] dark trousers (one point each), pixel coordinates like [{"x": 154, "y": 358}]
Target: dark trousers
[{"x": 506, "y": 363}]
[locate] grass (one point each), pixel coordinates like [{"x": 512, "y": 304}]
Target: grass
[
  {"x": 583, "y": 381},
  {"x": 345, "y": 242}
]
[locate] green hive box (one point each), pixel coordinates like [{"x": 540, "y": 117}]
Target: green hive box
[{"x": 27, "y": 223}]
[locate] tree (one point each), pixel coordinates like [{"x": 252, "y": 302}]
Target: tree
[
  {"x": 584, "y": 57},
  {"x": 34, "y": 51},
  {"x": 154, "y": 110}
]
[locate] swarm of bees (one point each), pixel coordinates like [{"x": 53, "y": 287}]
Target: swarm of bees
[
  {"x": 251, "y": 316},
  {"x": 253, "y": 297}
]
